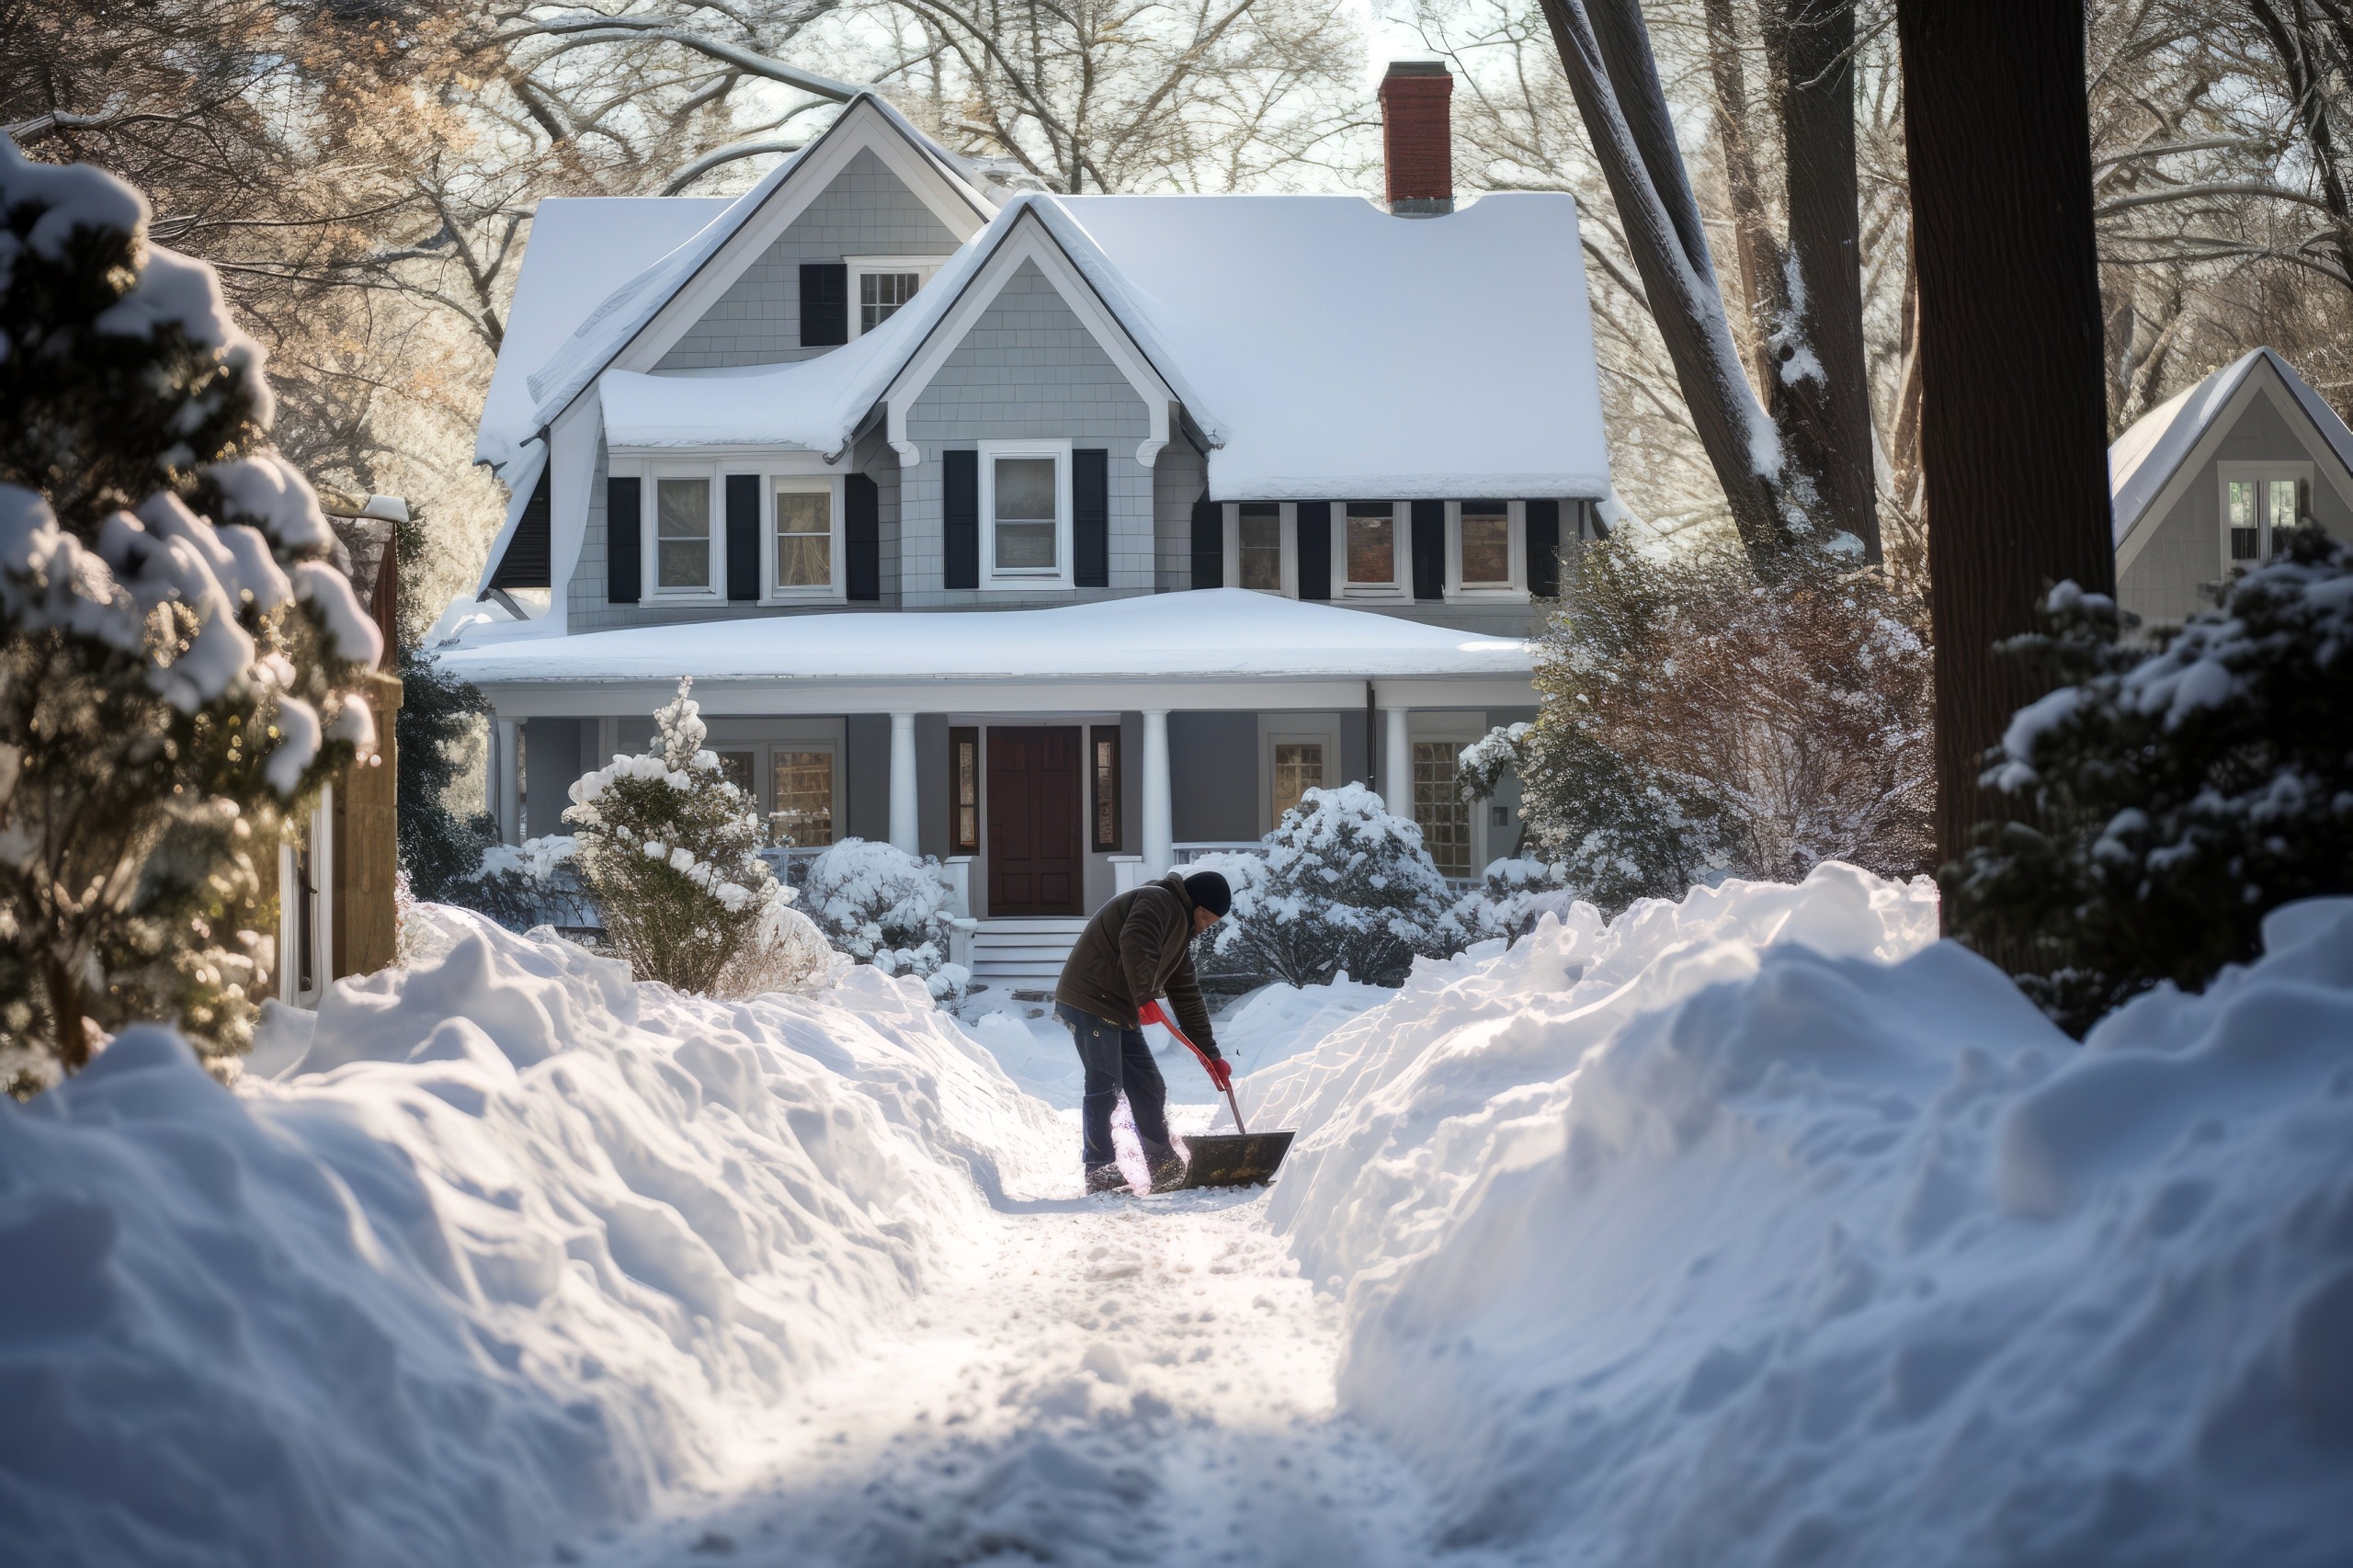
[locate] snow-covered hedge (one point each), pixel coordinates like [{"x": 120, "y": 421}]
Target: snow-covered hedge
[
  {"x": 508, "y": 1245},
  {"x": 1515, "y": 894},
  {"x": 883, "y": 907},
  {"x": 1763, "y": 1228},
  {"x": 2176, "y": 796}
]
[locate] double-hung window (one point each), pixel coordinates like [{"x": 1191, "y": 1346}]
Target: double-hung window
[
  {"x": 1025, "y": 513},
  {"x": 1369, "y": 547},
  {"x": 1259, "y": 543},
  {"x": 1486, "y": 550},
  {"x": 804, "y": 555},
  {"x": 682, "y": 530},
  {"x": 2259, "y": 501}
]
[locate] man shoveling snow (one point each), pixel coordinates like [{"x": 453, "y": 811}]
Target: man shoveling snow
[{"x": 1138, "y": 947}]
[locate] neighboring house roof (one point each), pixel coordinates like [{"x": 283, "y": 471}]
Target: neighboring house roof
[
  {"x": 1325, "y": 348},
  {"x": 581, "y": 250},
  {"x": 2143, "y": 461},
  {"x": 1210, "y": 634}
]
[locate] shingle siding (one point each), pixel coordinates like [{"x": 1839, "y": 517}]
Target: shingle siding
[{"x": 867, "y": 211}]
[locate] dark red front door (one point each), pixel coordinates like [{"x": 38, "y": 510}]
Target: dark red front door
[{"x": 1033, "y": 822}]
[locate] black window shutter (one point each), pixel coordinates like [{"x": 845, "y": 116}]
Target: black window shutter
[
  {"x": 961, "y": 513},
  {"x": 862, "y": 538},
  {"x": 1430, "y": 550},
  {"x": 623, "y": 569},
  {"x": 1090, "y": 503},
  {"x": 825, "y": 305},
  {"x": 743, "y": 536},
  {"x": 1544, "y": 549},
  {"x": 1315, "y": 550},
  {"x": 525, "y": 564},
  {"x": 1209, "y": 543}
]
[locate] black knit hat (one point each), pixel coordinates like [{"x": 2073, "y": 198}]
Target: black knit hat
[{"x": 1208, "y": 890}]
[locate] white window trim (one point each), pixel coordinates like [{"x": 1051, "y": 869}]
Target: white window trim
[
  {"x": 1400, "y": 586},
  {"x": 1514, "y": 590},
  {"x": 1288, "y": 512},
  {"x": 1295, "y": 729},
  {"x": 862, "y": 265},
  {"x": 2261, "y": 472},
  {"x": 650, "y": 526},
  {"x": 837, "y": 489},
  {"x": 1025, "y": 580}
]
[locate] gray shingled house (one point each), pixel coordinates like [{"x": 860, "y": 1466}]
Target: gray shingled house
[
  {"x": 1059, "y": 537},
  {"x": 2199, "y": 483}
]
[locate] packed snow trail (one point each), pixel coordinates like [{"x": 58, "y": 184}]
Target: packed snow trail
[{"x": 1105, "y": 1381}]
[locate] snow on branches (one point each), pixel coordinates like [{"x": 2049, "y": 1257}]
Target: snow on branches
[
  {"x": 669, "y": 850},
  {"x": 181, "y": 661},
  {"x": 881, "y": 906}
]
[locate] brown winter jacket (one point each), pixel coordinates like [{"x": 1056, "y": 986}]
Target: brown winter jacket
[{"x": 1139, "y": 946}]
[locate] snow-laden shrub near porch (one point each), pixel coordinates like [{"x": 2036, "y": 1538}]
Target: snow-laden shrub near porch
[
  {"x": 1344, "y": 885},
  {"x": 669, "y": 849},
  {"x": 1515, "y": 894},
  {"x": 881, "y": 906}
]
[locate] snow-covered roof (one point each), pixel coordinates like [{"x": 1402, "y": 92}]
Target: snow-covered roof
[
  {"x": 1356, "y": 354},
  {"x": 1209, "y": 634},
  {"x": 2147, "y": 456},
  {"x": 581, "y": 250}
]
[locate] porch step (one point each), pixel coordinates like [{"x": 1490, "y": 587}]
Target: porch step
[{"x": 1023, "y": 953}]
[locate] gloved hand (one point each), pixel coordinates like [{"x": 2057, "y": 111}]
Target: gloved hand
[{"x": 1220, "y": 1073}]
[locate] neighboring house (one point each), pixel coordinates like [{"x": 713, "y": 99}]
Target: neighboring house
[
  {"x": 1056, "y": 536},
  {"x": 2201, "y": 482}
]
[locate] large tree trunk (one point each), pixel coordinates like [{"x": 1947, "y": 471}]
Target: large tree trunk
[
  {"x": 1821, "y": 403},
  {"x": 2014, "y": 420},
  {"x": 1605, "y": 50}
]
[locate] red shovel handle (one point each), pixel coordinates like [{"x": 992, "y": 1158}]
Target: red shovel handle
[{"x": 1151, "y": 1012}]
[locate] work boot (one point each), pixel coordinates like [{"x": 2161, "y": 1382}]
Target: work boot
[
  {"x": 1167, "y": 1175},
  {"x": 1105, "y": 1179}
]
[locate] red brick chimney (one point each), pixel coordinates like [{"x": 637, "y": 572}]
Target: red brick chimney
[{"x": 1417, "y": 137}]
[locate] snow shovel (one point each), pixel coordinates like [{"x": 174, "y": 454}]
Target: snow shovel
[{"x": 1240, "y": 1158}]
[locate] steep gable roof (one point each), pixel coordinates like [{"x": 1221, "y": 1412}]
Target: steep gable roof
[{"x": 2145, "y": 459}]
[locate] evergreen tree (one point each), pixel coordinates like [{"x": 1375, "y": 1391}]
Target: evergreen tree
[
  {"x": 669, "y": 850},
  {"x": 438, "y": 848},
  {"x": 178, "y": 659}
]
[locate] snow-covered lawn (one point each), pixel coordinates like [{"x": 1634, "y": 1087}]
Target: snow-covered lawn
[{"x": 1757, "y": 1229}]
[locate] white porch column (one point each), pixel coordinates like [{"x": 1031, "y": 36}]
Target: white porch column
[
  {"x": 507, "y": 770},
  {"x": 1159, "y": 806},
  {"x": 1397, "y": 762},
  {"x": 903, "y": 784}
]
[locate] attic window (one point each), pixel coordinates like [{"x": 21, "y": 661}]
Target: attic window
[
  {"x": 879, "y": 295},
  {"x": 2259, "y": 501}
]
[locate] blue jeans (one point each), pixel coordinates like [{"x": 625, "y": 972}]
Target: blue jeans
[{"x": 1117, "y": 1058}]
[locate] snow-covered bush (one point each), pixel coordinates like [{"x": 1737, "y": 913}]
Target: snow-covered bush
[
  {"x": 1698, "y": 724},
  {"x": 1344, "y": 885},
  {"x": 669, "y": 850},
  {"x": 179, "y": 660},
  {"x": 879, "y": 904},
  {"x": 521, "y": 886},
  {"x": 2172, "y": 798},
  {"x": 1515, "y": 895},
  {"x": 438, "y": 713}
]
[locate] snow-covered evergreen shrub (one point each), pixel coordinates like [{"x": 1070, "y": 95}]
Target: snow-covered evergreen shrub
[
  {"x": 879, "y": 904},
  {"x": 438, "y": 851},
  {"x": 179, "y": 659},
  {"x": 520, "y": 886},
  {"x": 1515, "y": 894},
  {"x": 1697, "y": 723},
  {"x": 2172, "y": 798},
  {"x": 1344, "y": 885},
  {"x": 669, "y": 850}
]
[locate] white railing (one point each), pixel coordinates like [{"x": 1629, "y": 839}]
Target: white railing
[{"x": 1193, "y": 849}]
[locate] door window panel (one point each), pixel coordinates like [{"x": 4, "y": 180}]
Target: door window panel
[
  {"x": 1373, "y": 543},
  {"x": 1025, "y": 513},
  {"x": 1439, "y": 808},
  {"x": 804, "y": 539},
  {"x": 682, "y": 533},
  {"x": 1262, "y": 546},
  {"x": 804, "y": 816},
  {"x": 1299, "y": 768},
  {"x": 1486, "y": 546},
  {"x": 964, "y": 815}
]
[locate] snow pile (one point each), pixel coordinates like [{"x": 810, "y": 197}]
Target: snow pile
[
  {"x": 513, "y": 1244},
  {"x": 1764, "y": 1228}
]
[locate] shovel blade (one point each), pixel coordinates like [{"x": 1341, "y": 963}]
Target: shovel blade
[{"x": 1235, "y": 1159}]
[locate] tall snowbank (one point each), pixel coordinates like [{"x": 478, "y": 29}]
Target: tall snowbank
[
  {"x": 512, "y": 1244},
  {"x": 1762, "y": 1229}
]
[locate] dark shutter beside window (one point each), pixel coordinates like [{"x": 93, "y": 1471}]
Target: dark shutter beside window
[
  {"x": 1544, "y": 549},
  {"x": 1315, "y": 550},
  {"x": 525, "y": 564},
  {"x": 825, "y": 305},
  {"x": 1090, "y": 505},
  {"x": 961, "y": 513},
  {"x": 743, "y": 536},
  {"x": 624, "y": 568},
  {"x": 862, "y": 537},
  {"x": 1209, "y": 543},
  {"x": 1430, "y": 550}
]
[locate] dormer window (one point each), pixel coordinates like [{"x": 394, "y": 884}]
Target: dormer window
[{"x": 880, "y": 285}]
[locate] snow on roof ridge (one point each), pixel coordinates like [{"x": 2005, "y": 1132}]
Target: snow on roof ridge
[{"x": 2144, "y": 459}]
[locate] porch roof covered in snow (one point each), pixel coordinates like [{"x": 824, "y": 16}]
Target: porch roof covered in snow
[{"x": 1187, "y": 650}]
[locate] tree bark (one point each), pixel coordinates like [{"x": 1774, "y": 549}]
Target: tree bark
[
  {"x": 1756, "y": 250},
  {"x": 1822, "y": 402},
  {"x": 2013, "y": 432}
]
